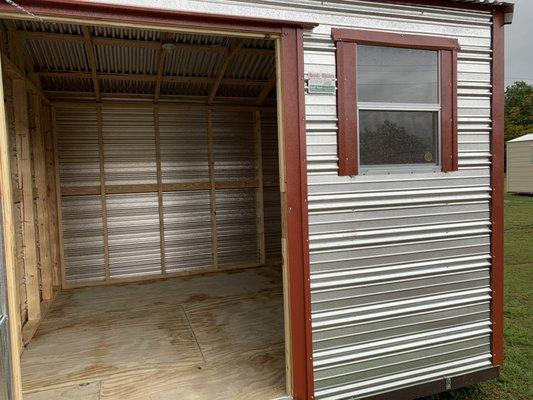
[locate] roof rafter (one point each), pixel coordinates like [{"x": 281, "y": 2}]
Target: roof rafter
[
  {"x": 267, "y": 88},
  {"x": 161, "y": 65},
  {"x": 232, "y": 50},
  {"x": 91, "y": 59}
]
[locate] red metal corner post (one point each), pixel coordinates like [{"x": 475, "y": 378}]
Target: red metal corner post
[
  {"x": 497, "y": 183},
  {"x": 293, "y": 109}
]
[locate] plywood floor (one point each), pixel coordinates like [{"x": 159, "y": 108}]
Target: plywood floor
[{"x": 217, "y": 336}]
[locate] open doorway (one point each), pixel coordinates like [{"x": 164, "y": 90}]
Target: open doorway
[{"x": 157, "y": 234}]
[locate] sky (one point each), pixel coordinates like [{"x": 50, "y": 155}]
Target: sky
[{"x": 519, "y": 44}]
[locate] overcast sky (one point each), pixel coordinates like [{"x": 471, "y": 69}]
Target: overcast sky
[{"x": 519, "y": 44}]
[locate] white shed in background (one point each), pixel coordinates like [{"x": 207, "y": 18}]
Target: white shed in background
[{"x": 520, "y": 164}]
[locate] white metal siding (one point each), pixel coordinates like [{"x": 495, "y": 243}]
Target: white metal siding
[
  {"x": 520, "y": 167},
  {"x": 399, "y": 264}
]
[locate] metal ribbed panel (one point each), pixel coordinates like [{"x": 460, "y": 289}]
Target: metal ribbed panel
[
  {"x": 187, "y": 220},
  {"x": 183, "y": 138},
  {"x": 126, "y": 59},
  {"x": 134, "y": 239},
  {"x": 78, "y": 146},
  {"x": 236, "y": 227},
  {"x": 233, "y": 145},
  {"x": 83, "y": 239},
  {"x": 129, "y": 146}
]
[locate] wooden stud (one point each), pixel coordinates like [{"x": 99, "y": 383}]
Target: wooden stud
[
  {"x": 146, "y": 44},
  {"x": 159, "y": 78},
  {"x": 103, "y": 194},
  {"x": 14, "y": 72},
  {"x": 161, "y": 66},
  {"x": 10, "y": 252},
  {"x": 31, "y": 275},
  {"x": 175, "y": 106},
  {"x": 43, "y": 217},
  {"x": 160, "y": 190},
  {"x": 259, "y": 204},
  {"x": 232, "y": 50},
  {"x": 58, "y": 199},
  {"x": 91, "y": 59},
  {"x": 267, "y": 88},
  {"x": 212, "y": 187},
  {"x": 52, "y": 193}
]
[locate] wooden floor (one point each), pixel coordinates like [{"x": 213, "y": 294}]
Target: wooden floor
[{"x": 217, "y": 336}]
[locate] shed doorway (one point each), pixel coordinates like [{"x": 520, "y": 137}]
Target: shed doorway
[{"x": 155, "y": 212}]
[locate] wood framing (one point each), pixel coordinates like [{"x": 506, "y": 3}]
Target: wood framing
[
  {"x": 31, "y": 273},
  {"x": 232, "y": 50},
  {"x": 159, "y": 189},
  {"x": 10, "y": 252},
  {"x": 43, "y": 213},
  {"x": 212, "y": 187},
  {"x": 260, "y": 212},
  {"x": 103, "y": 193},
  {"x": 91, "y": 58}
]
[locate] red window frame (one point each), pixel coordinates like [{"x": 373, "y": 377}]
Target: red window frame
[{"x": 346, "y": 41}]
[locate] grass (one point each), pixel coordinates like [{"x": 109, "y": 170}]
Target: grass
[{"x": 516, "y": 378}]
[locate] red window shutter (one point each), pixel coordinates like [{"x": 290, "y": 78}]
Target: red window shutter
[
  {"x": 347, "y": 140},
  {"x": 449, "y": 148}
]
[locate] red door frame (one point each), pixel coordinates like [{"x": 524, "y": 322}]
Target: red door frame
[{"x": 293, "y": 117}]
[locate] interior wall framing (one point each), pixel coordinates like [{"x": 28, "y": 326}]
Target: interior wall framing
[
  {"x": 28, "y": 124},
  {"x": 151, "y": 191}
]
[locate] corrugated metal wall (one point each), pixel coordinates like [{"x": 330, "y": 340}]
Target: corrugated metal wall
[
  {"x": 399, "y": 264},
  {"x": 127, "y": 235}
]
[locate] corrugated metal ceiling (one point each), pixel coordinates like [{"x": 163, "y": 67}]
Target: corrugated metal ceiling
[{"x": 128, "y": 62}]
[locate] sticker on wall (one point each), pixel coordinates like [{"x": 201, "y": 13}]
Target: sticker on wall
[
  {"x": 428, "y": 156},
  {"x": 321, "y": 83}
]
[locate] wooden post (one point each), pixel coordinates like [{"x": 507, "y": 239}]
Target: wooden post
[
  {"x": 159, "y": 189},
  {"x": 58, "y": 200},
  {"x": 52, "y": 196},
  {"x": 212, "y": 191},
  {"x": 102, "y": 189},
  {"x": 10, "y": 252},
  {"x": 31, "y": 274},
  {"x": 43, "y": 216},
  {"x": 260, "y": 212}
]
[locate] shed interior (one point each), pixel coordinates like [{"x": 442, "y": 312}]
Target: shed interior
[{"x": 145, "y": 177}]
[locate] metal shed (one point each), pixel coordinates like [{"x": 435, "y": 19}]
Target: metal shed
[
  {"x": 235, "y": 199},
  {"x": 520, "y": 164}
]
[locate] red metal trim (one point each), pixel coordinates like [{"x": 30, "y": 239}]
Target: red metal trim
[
  {"x": 455, "y": 115},
  {"x": 394, "y": 39},
  {"x": 293, "y": 118},
  {"x": 449, "y": 146},
  {"x": 91, "y": 10},
  {"x": 347, "y": 141},
  {"x": 497, "y": 180}
]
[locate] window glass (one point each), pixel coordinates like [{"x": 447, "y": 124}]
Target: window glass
[
  {"x": 398, "y": 137},
  {"x": 397, "y": 75}
]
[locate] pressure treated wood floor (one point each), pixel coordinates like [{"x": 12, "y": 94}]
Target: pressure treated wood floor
[{"x": 217, "y": 336}]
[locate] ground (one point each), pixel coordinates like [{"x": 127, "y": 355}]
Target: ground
[{"x": 516, "y": 379}]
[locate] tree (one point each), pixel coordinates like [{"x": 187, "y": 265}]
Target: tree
[{"x": 518, "y": 110}]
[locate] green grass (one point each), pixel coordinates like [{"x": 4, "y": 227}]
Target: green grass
[{"x": 516, "y": 379}]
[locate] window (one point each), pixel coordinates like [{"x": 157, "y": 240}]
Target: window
[{"x": 396, "y": 102}]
